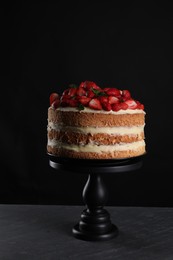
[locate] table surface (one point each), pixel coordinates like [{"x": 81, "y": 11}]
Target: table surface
[{"x": 44, "y": 232}]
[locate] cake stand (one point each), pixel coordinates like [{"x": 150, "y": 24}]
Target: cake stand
[{"x": 95, "y": 222}]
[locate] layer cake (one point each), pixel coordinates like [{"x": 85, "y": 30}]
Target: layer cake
[{"x": 90, "y": 122}]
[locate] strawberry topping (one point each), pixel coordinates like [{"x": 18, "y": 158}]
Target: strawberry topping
[{"x": 89, "y": 94}]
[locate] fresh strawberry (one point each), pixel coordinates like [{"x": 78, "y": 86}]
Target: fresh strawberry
[
  {"x": 106, "y": 89},
  {"x": 106, "y": 106},
  {"x": 64, "y": 103},
  {"x": 113, "y": 92},
  {"x": 95, "y": 104},
  {"x": 84, "y": 100},
  {"x": 118, "y": 106},
  {"x": 73, "y": 102},
  {"x": 90, "y": 94},
  {"x": 103, "y": 99},
  {"x": 64, "y": 100},
  {"x": 113, "y": 100},
  {"x": 72, "y": 92},
  {"x": 56, "y": 103},
  {"x": 131, "y": 103},
  {"x": 123, "y": 105},
  {"x": 65, "y": 92},
  {"x": 65, "y": 97},
  {"x": 53, "y": 97},
  {"x": 139, "y": 105},
  {"x": 81, "y": 91},
  {"x": 126, "y": 94},
  {"x": 82, "y": 85},
  {"x": 90, "y": 84}
]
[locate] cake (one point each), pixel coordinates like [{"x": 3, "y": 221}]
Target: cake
[{"x": 91, "y": 122}]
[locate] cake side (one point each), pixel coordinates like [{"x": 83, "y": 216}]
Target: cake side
[
  {"x": 61, "y": 152},
  {"x": 76, "y": 118}
]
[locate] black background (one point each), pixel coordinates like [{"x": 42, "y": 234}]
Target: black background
[{"x": 45, "y": 47}]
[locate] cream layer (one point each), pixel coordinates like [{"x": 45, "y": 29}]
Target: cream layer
[
  {"x": 88, "y": 110},
  {"x": 93, "y": 148},
  {"x": 117, "y": 130}
]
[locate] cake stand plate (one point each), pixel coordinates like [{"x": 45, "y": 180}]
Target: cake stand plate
[{"x": 95, "y": 222}]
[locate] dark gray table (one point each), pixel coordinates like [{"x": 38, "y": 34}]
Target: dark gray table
[{"x": 44, "y": 232}]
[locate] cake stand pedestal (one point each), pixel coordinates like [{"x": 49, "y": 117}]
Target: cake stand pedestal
[{"x": 95, "y": 222}]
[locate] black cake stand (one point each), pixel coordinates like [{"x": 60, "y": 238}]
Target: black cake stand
[{"x": 95, "y": 223}]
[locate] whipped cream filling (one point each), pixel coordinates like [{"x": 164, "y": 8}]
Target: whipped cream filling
[
  {"x": 94, "y": 148},
  {"x": 118, "y": 130},
  {"x": 89, "y": 110}
]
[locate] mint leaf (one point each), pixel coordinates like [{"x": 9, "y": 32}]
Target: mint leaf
[
  {"x": 81, "y": 107},
  {"x": 98, "y": 93}
]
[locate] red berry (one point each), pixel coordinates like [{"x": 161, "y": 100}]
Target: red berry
[
  {"x": 103, "y": 99},
  {"x": 118, "y": 106},
  {"x": 139, "y": 105},
  {"x": 123, "y": 106},
  {"x": 56, "y": 103},
  {"x": 63, "y": 103},
  {"x": 106, "y": 89},
  {"x": 82, "y": 85},
  {"x": 90, "y": 84},
  {"x": 90, "y": 94},
  {"x": 95, "y": 104},
  {"x": 126, "y": 94},
  {"x": 72, "y": 92},
  {"x": 53, "y": 97},
  {"x": 64, "y": 100},
  {"x": 65, "y": 92},
  {"x": 131, "y": 103},
  {"x": 84, "y": 100},
  {"x": 113, "y": 92},
  {"x": 113, "y": 100},
  {"x": 73, "y": 103},
  {"x": 81, "y": 91},
  {"x": 107, "y": 106}
]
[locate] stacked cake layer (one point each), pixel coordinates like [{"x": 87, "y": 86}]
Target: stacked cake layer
[{"x": 95, "y": 134}]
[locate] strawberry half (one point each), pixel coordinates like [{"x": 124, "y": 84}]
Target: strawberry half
[
  {"x": 95, "y": 104},
  {"x": 53, "y": 97},
  {"x": 56, "y": 103},
  {"x": 72, "y": 92},
  {"x": 103, "y": 99},
  {"x": 90, "y": 84},
  {"x": 139, "y": 105},
  {"x": 84, "y": 100},
  {"x": 118, "y": 106},
  {"x": 106, "y": 106},
  {"x": 73, "y": 102},
  {"x": 90, "y": 94},
  {"x": 113, "y": 100},
  {"x": 131, "y": 103},
  {"x": 113, "y": 92},
  {"x": 126, "y": 94},
  {"x": 81, "y": 91}
]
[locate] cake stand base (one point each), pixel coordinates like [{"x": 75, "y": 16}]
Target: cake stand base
[
  {"x": 95, "y": 223},
  {"x": 95, "y": 227}
]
